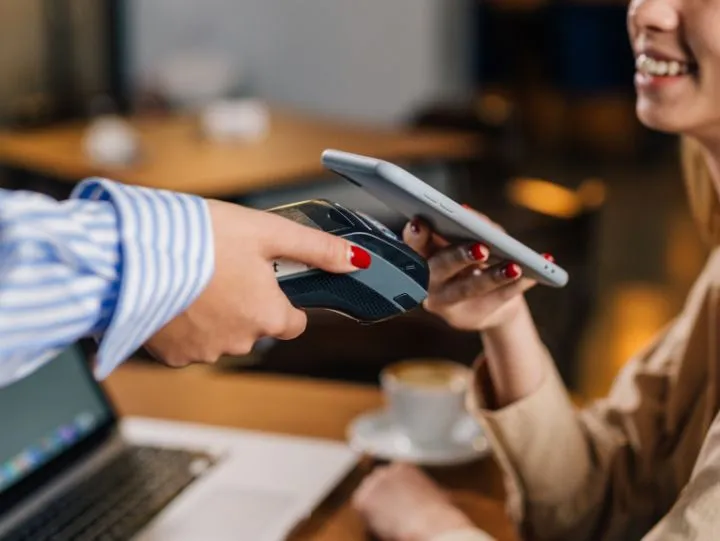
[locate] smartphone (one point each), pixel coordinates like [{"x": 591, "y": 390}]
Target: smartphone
[{"x": 407, "y": 194}]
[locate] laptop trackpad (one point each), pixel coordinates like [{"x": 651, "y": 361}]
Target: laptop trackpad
[{"x": 227, "y": 513}]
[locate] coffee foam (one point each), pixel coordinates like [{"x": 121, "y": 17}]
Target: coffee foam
[{"x": 428, "y": 373}]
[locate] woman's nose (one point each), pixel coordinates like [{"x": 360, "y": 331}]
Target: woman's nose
[{"x": 654, "y": 15}]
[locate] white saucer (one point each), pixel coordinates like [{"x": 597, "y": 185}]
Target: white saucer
[{"x": 374, "y": 434}]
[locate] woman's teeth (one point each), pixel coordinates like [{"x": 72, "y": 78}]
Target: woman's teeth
[{"x": 660, "y": 68}]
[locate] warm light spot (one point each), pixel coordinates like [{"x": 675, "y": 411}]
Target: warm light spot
[
  {"x": 494, "y": 108},
  {"x": 638, "y": 313},
  {"x": 592, "y": 192},
  {"x": 628, "y": 319},
  {"x": 544, "y": 197},
  {"x": 685, "y": 254}
]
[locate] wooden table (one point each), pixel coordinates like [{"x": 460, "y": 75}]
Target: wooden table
[
  {"x": 177, "y": 157},
  {"x": 296, "y": 407}
]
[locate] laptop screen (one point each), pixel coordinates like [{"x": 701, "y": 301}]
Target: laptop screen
[{"x": 46, "y": 415}]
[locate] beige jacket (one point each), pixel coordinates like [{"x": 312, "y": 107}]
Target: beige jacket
[{"x": 641, "y": 464}]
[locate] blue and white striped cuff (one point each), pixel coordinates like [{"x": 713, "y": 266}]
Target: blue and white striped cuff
[{"x": 167, "y": 259}]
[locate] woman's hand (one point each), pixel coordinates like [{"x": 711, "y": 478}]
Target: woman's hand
[
  {"x": 469, "y": 288},
  {"x": 400, "y": 503},
  {"x": 243, "y": 301}
]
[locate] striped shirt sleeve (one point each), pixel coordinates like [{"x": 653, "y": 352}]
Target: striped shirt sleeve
[
  {"x": 59, "y": 268},
  {"x": 167, "y": 257},
  {"x": 114, "y": 261}
]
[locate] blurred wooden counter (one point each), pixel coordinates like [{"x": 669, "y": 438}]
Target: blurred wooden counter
[
  {"x": 297, "y": 407},
  {"x": 177, "y": 157}
]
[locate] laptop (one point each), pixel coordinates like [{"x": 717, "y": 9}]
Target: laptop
[{"x": 72, "y": 469}]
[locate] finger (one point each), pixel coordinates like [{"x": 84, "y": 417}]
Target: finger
[
  {"x": 368, "y": 486},
  {"x": 448, "y": 262},
  {"x": 476, "y": 284},
  {"x": 273, "y": 314},
  {"x": 492, "y": 301},
  {"x": 315, "y": 248},
  {"x": 284, "y": 321},
  {"x": 505, "y": 293},
  {"x": 295, "y": 324},
  {"x": 439, "y": 242},
  {"x": 418, "y": 236}
]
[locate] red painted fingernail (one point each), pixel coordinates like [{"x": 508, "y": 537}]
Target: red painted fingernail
[
  {"x": 549, "y": 257},
  {"x": 359, "y": 257},
  {"x": 466, "y": 206},
  {"x": 512, "y": 271},
  {"x": 479, "y": 252}
]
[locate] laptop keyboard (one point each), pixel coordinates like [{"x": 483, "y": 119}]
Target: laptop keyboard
[{"x": 116, "y": 502}]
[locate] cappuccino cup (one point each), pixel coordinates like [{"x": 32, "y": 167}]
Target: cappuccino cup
[{"x": 425, "y": 398}]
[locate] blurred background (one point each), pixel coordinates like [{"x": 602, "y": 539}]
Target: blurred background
[{"x": 521, "y": 108}]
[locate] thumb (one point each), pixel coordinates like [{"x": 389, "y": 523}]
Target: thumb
[{"x": 315, "y": 248}]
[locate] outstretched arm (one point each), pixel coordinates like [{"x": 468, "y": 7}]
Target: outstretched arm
[{"x": 115, "y": 262}]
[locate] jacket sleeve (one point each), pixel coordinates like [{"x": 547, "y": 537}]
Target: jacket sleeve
[
  {"x": 694, "y": 514},
  {"x": 610, "y": 470}
]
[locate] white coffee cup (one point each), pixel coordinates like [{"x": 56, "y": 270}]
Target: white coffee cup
[{"x": 426, "y": 398}]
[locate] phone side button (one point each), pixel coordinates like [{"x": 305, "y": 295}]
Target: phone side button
[{"x": 437, "y": 203}]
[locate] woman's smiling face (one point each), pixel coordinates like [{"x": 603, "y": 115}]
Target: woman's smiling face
[{"x": 677, "y": 57}]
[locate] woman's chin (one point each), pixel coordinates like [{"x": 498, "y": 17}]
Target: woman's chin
[{"x": 658, "y": 119}]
